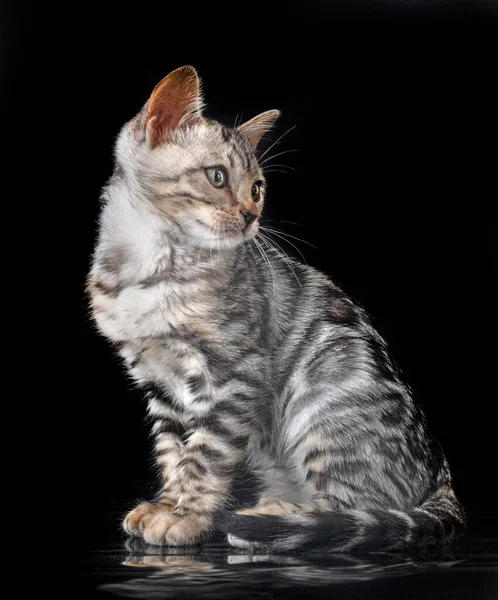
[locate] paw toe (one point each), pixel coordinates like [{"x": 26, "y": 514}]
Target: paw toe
[
  {"x": 156, "y": 529},
  {"x": 187, "y": 531},
  {"x": 158, "y": 526},
  {"x": 137, "y": 519}
]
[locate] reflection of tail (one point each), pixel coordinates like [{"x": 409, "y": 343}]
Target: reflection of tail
[{"x": 358, "y": 531}]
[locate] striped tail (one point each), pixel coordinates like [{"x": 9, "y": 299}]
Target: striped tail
[{"x": 436, "y": 522}]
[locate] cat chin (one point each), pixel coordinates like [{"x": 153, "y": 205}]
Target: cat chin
[
  {"x": 222, "y": 243},
  {"x": 219, "y": 244}
]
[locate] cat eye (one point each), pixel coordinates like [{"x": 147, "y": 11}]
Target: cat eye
[
  {"x": 256, "y": 191},
  {"x": 217, "y": 176}
]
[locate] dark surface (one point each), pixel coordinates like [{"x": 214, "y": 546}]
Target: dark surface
[
  {"x": 216, "y": 572},
  {"x": 116, "y": 565},
  {"x": 128, "y": 569},
  {"x": 396, "y": 126}
]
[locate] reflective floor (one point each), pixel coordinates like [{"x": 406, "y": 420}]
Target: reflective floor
[{"x": 115, "y": 566}]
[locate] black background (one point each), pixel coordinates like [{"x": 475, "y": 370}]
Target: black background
[{"x": 395, "y": 182}]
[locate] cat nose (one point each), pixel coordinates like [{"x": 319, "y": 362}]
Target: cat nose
[{"x": 249, "y": 216}]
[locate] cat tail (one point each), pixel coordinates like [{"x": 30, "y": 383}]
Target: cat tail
[{"x": 435, "y": 522}]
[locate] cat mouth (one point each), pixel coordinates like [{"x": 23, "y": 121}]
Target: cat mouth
[
  {"x": 248, "y": 231},
  {"x": 230, "y": 232},
  {"x": 251, "y": 229}
]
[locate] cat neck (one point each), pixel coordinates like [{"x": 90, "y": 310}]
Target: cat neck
[{"x": 138, "y": 244}]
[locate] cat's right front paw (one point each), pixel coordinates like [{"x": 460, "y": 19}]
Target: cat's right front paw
[
  {"x": 158, "y": 526},
  {"x": 137, "y": 519}
]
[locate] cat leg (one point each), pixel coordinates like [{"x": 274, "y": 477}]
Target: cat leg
[
  {"x": 169, "y": 425},
  {"x": 305, "y": 490},
  {"x": 271, "y": 505},
  {"x": 200, "y": 440},
  {"x": 198, "y": 474},
  {"x": 195, "y": 468},
  {"x": 205, "y": 474},
  {"x": 278, "y": 496}
]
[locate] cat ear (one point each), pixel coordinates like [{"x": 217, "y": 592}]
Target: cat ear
[
  {"x": 175, "y": 102},
  {"x": 255, "y": 129}
]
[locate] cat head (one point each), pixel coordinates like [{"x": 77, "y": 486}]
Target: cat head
[{"x": 201, "y": 177}]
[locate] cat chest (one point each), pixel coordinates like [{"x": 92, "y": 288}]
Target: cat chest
[{"x": 138, "y": 312}]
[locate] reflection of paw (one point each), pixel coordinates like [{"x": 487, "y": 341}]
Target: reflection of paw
[
  {"x": 158, "y": 526},
  {"x": 168, "y": 562}
]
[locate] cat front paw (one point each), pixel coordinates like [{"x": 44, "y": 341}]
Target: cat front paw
[
  {"x": 182, "y": 531},
  {"x": 158, "y": 526},
  {"x": 137, "y": 519}
]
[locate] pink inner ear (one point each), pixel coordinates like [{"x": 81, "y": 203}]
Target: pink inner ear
[
  {"x": 164, "y": 119},
  {"x": 175, "y": 101}
]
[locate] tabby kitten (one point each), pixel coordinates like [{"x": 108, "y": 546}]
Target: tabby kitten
[{"x": 244, "y": 360}]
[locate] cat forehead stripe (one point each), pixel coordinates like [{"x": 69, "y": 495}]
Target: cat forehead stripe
[{"x": 239, "y": 148}]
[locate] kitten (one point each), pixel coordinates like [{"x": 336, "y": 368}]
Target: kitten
[{"x": 245, "y": 360}]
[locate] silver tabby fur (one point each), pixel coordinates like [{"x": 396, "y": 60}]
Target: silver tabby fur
[{"x": 246, "y": 361}]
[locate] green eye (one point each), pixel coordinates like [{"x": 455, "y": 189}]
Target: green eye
[
  {"x": 256, "y": 191},
  {"x": 217, "y": 176}
]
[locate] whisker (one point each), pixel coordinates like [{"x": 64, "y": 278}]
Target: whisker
[
  {"x": 278, "y": 154},
  {"x": 275, "y": 171},
  {"x": 251, "y": 250},
  {"x": 284, "y": 234},
  {"x": 281, "y": 221},
  {"x": 235, "y": 124},
  {"x": 267, "y": 261},
  {"x": 290, "y": 243},
  {"x": 220, "y": 249},
  {"x": 232, "y": 228},
  {"x": 266, "y": 138},
  {"x": 284, "y": 166},
  {"x": 282, "y": 254},
  {"x": 275, "y": 143},
  {"x": 215, "y": 233}
]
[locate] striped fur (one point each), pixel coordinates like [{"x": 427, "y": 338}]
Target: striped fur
[{"x": 248, "y": 358}]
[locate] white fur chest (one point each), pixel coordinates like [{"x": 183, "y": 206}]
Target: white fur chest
[
  {"x": 146, "y": 321},
  {"x": 138, "y": 312}
]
